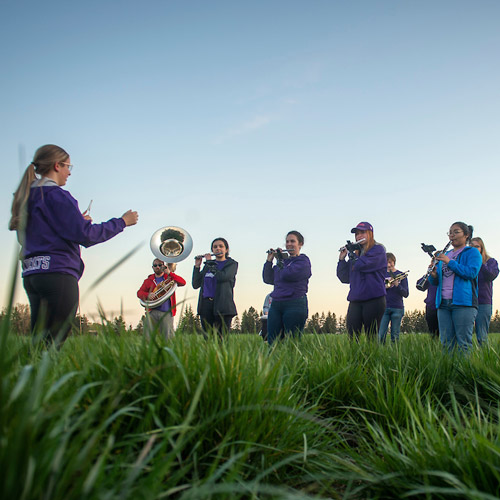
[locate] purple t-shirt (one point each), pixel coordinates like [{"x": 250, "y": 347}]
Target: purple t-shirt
[
  {"x": 449, "y": 276},
  {"x": 165, "y": 307},
  {"x": 210, "y": 282}
]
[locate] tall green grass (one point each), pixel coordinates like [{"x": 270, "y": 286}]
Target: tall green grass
[{"x": 114, "y": 416}]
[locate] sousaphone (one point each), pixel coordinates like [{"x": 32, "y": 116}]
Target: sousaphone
[{"x": 169, "y": 244}]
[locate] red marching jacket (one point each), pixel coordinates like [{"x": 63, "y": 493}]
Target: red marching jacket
[{"x": 150, "y": 284}]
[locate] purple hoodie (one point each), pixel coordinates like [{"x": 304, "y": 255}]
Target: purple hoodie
[
  {"x": 366, "y": 275},
  {"x": 55, "y": 231},
  {"x": 395, "y": 294},
  {"x": 291, "y": 281},
  {"x": 488, "y": 272}
]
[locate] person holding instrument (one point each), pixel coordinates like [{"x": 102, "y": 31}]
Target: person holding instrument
[
  {"x": 216, "y": 306},
  {"x": 397, "y": 289},
  {"x": 290, "y": 277},
  {"x": 456, "y": 298},
  {"x": 161, "y": 316},
  {"x": 51, "y": 228},
  {"x": 488, "y": 272},
  {"x": 365, "y": 272}
]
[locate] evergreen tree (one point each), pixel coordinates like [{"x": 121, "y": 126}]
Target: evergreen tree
[
  {"x": 236, "y": 325},
  {"x": 313, "y": 325},
  {"x": 189, "y": 322},
  {"x": 250, "y": 321},
  {"x": 329, "y": 323}
]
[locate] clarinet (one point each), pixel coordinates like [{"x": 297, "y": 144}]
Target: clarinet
[{"x": 421, "y": 282}]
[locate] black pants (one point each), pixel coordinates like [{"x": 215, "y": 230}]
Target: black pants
[
  {"x": 366, "y": 315},
  {"x": 53, "y": 300},
  {"x": 431, "y": 317},
  {"x": 212, "y": 322}
]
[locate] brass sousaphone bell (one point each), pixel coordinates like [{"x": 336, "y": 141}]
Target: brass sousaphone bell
[{"x": 169, "y": 244}]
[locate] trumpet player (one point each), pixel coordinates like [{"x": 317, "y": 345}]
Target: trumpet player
[
  {"x": 162, "y": 316},
  {"x": 397, "y": 289},
  {"x": 216, "y": 281},
  {"x": 290, "y": 277},
  {"x": 365, "y": 272}
]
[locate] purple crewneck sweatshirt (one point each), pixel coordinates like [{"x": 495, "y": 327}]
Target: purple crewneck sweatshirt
[
  {"x": 291, "y": 281},
  {"x": 56, "y": 229}
]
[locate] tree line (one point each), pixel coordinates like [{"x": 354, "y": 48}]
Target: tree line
[{"x": 249, "y": 323}]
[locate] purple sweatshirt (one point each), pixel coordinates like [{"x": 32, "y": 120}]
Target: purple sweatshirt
[
  {"x": 291, "y": 281},
  {"x": 366, "y": 275},
  {"x": 488, "y": 272},
  {"x": 395, "y": 294},
  {"x": 56, "y": 229}
]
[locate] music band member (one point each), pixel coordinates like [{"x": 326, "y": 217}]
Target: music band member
[
  {"x": 431, "y": 317},
  {"x": 456, "y": 298},
  {"x": 488, "y": 272},
  {"x": 51, "y": 228},
  {"x": 216, "y": 281},
  {"x": 365, "y": 272},
  {"x": 265, "y": 314},
  {"x": 290, "y": 277},
  {"x": 161, "y": 317},
  {"x": 396, "y": 289}
]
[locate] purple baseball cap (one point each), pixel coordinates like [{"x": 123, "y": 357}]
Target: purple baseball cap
[{"x": 362, "y": 226}]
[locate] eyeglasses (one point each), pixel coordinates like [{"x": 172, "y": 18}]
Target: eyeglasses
[
  {"x": 157, "y": 265},
  {"x": 70, "y": 167},
  {"x": 454, "y": 233}
]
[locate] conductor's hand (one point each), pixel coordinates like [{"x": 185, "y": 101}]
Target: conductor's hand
[{"x": 130, "y": 217}]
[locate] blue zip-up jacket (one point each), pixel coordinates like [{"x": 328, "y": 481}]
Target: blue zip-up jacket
[
  {"x": 466, "y": 269},
  {"x": 366, "y": 275}
]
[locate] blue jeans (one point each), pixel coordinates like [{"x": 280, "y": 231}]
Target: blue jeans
[
  {"x": 456, "y": 324},
  {"x": 393, "y": 316},
  {"x": 483, "y": 318},
  {"x": 286, "y": 317}
]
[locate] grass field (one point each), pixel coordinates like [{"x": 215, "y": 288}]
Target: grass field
[{"x": 113, "y": 417}]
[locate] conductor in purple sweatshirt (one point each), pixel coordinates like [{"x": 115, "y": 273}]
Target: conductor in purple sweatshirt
[
  {"x": 51, "y": 228},
  {"x": 365, "y": 272},
  {"x": 290, "y": 277}
]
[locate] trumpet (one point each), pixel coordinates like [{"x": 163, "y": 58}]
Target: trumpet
[
  {"x": 389, "y": 281},
  {"x": 429, "y": 249}
]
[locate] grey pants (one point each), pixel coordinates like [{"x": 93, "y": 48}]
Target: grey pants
[{"x": 159, "y": 322}]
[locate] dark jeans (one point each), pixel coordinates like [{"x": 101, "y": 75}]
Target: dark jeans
[
  {"x": 286, "y": 317},
  {"x": 53, "y": 300},
  {"x": 212, "y": 322},
  {"x": 367, "y": 315},
  {"x": 431, "y": 317}
]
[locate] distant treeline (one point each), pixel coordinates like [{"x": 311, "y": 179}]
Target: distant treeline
[{"x": 249, "y": 323}]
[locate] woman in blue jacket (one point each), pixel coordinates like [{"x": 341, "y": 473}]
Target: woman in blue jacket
[
  {"x": 365, "y": 272},
  {"x": 456, "y": 275}
]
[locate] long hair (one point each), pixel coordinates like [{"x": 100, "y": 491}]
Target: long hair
[
  {"x": 370, "y": 242},
  {"x": 484, "y": 254},
  {"x": 43, "y": 161}
]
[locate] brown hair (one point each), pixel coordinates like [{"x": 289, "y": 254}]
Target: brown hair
[
  {"x": 391, "y": 256},
  {"x": 370, "y": 242},
  {"x": 43, "y": 161},
  {"x": 299, "y": 237},
  {"x": 484, "y": 254}
]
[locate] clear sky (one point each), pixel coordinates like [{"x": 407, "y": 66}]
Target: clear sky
[{"x": 248, "y": 119}]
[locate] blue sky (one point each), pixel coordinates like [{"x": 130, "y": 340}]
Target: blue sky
[{"x": 248, "y": 119}]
